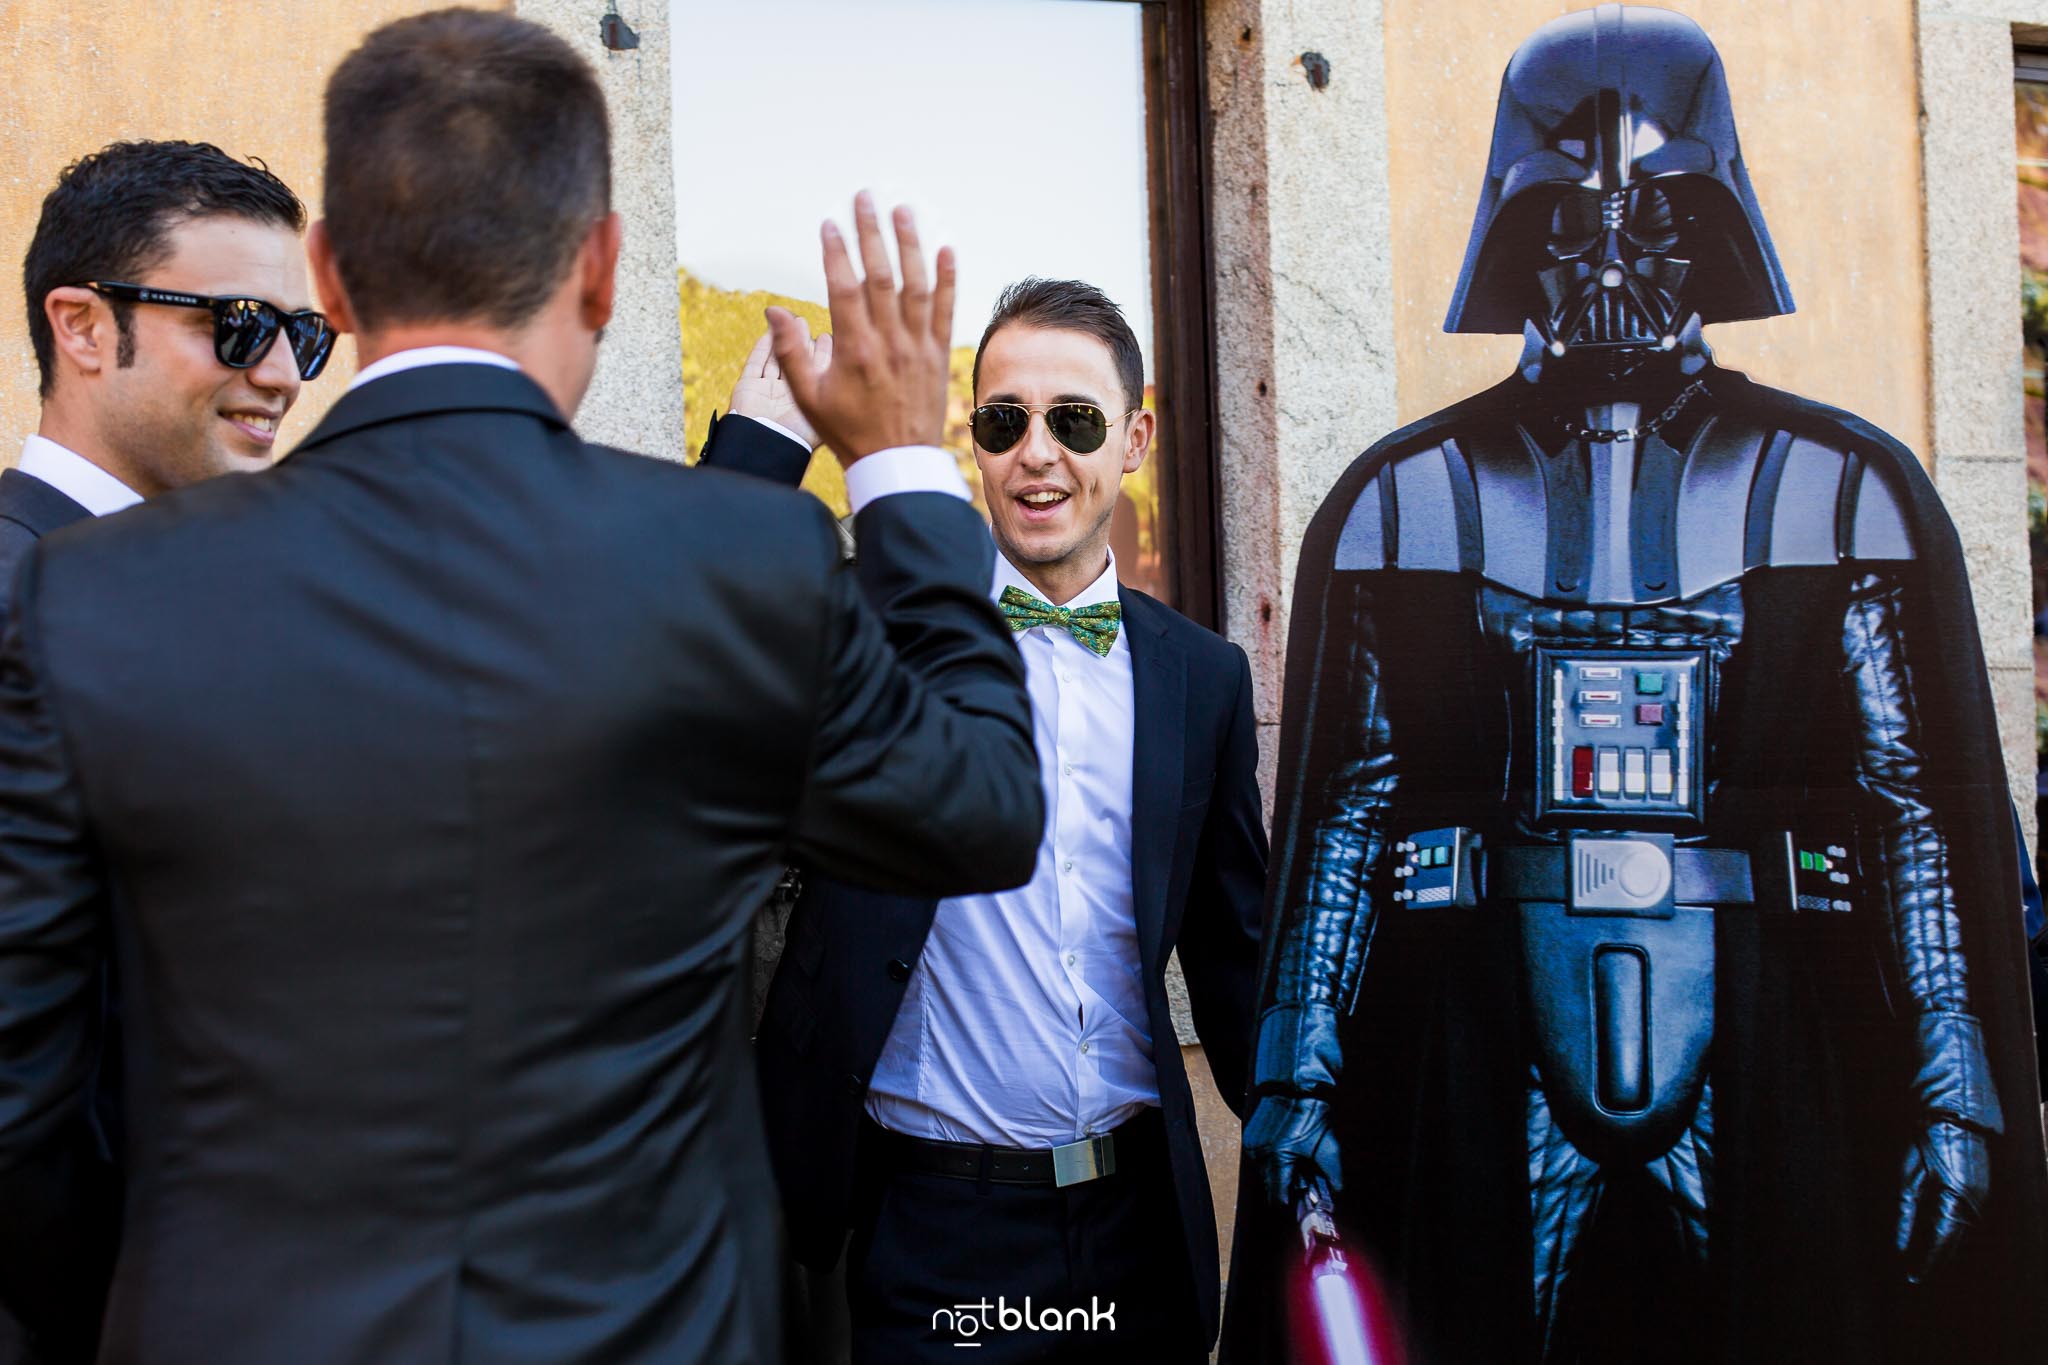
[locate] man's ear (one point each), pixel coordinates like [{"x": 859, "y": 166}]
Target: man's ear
[
  {"x": 83, "y": 328},
  {"x": 327, "y": 279},
  {"x": 1144, "y": 423},
  {"x": 598, "y": 263}
]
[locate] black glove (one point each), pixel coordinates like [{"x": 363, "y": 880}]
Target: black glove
[
  {"x": 1948, "y": 1167},
  {"x": 1289, "y": 1139}
]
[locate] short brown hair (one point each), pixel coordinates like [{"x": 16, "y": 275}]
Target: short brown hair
[
  {"x": 468, "y": 154},
  {"x": 1070, "y": 306}
]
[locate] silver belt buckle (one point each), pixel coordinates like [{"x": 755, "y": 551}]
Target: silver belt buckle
[
  {"x": 1628, "y": 874},
  {"x": 1078, "y": 1162}
]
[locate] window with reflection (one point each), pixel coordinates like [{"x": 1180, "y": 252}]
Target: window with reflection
[
  {"x": 2030, "y": 105},
  {"x": 1036, "y": 137}
]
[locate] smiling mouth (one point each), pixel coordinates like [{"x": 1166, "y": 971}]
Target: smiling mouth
[
  {"x": 262, "y": 426},
  {"x": 1043, "y": 500}
]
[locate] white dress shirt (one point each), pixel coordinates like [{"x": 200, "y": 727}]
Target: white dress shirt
[
  {"x": 901, "y": 469},
  {"x": 399, "y": 361},
  {"x": 1024, "y": 1023},
  {"x": 76, "y": 477}
]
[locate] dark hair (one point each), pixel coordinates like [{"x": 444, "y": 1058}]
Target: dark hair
[
  {"x": 1070, "y": 306},
  {"x": 468, "y": 154},
  {"x": 110, "y": 218}
]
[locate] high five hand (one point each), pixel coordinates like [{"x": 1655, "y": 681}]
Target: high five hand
[
  {"x": 763, "y": 394},
  {"x": 886, "y": 385}
]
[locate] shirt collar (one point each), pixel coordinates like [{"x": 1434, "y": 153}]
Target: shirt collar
[
  {"x": 429, "y": 355},
  {"x": 76, "y": 477},
  {"x": 1103, "y": 589}
]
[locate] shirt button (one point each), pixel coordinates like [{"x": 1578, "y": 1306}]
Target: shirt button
[
  {"x": 1067, "y": 768},
  {"x": 1067, "y": 866},
  {"x": 1084, "y": 1049},
  {"x": 1071, "y": 959},
  {"x": 899, "y": 970}
]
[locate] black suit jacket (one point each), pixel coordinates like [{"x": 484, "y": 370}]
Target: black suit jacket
[
  {"x": 425, "y": 787},
  {"x": 29, "y": 510},
  {"x": 1198, "y": 869}
]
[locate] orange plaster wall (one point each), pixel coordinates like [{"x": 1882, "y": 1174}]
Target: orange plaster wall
[{"x": 246, "y": 76}]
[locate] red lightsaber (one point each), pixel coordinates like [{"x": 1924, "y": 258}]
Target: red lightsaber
[{"x": 1341, "y": 1314}]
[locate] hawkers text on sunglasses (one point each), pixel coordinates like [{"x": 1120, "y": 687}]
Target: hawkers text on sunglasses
[
  {"x": 243, "y": 329},
  {"x": 1080, "y": 427}
]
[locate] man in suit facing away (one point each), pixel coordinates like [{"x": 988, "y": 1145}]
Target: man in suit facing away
[
  {"x": 137, "y": 400},
  {"x": 986, "y": 1089},
  {"x": 422, "y": 787}
]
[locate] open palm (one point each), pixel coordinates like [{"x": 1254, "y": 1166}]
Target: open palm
[{"x": 763, "y": 394}]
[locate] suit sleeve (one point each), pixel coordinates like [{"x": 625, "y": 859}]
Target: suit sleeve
[
  {"x": 923, "y": 780},
  {"x": 56, "y": 1196},
  {"x": 1219, "y": 936},
  {"x": 744, "y": 446}
]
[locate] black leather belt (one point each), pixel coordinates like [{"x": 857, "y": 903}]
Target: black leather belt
[
  {"x": 1699, "y": 876},
  {"x": 1073, "y": 1164}
]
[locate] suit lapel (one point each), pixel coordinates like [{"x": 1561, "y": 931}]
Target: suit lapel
[
  {"x": 1159, "y": 693},
  {"x": 26, "y": 499},
  {"x": 429, "y": 389}
]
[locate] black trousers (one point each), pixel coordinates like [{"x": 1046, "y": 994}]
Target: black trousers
[{"x": 1095, "y": 1272}]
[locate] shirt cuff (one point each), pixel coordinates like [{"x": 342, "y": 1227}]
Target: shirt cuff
[
  {"x": 776, "y": 427},
  {"x": 903, "y": 469}
]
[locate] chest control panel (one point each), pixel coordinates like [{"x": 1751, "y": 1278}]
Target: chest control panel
[{"x": 1620, "y": 733}]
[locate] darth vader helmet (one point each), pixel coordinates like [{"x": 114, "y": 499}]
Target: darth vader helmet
[{"x": 1616, "y": 205}]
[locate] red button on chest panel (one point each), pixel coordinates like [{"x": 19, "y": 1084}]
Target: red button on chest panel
[{"x": 1582, "y": 770}]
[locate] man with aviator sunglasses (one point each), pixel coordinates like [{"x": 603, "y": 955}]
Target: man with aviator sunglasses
[
  {"x": 986, "y": 1091},
  {"x": 158, "y": 280}
]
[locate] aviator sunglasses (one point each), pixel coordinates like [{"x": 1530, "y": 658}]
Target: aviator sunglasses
[
  {"x": 243, "y": 329},
  {"x": 1080, "y": 427}
]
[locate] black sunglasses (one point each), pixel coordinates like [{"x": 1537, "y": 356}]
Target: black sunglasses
[
  {"x": 1080, "y": 427},
  {"x": 243, "y": 329}
]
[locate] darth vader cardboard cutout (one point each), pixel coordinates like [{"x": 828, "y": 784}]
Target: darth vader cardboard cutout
[{"x": 1644, "y": 976}]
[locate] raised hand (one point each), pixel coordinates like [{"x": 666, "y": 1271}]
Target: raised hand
[
  {"x": 892, "y": 348},
  {"x": 762, "y": 393}
]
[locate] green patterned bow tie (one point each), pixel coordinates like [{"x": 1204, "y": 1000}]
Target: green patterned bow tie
[{"x": 1094, "y": 626}]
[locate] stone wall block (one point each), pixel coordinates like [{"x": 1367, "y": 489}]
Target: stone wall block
[
  {"x": 636, "y": 397},
  {"x": 1978, "y": 446}
]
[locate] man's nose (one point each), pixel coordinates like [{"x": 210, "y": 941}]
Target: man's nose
[
  {"x": 278, "y": 371},
  {"x": 1041, "y": 451}
]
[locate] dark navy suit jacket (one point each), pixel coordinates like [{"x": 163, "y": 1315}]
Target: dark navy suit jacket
[
  {"x": 1198, "y": 855},
  {"x": 29, "y": 510},
  {"x": 423, "y": 789}
]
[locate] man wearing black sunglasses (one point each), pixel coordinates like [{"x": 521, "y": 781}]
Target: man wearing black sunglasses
[
  {"x": 986, "y": 1091},
  {"x": 141, "y": 394},
  {"x": 160, "y": 278}
]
